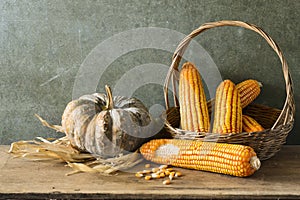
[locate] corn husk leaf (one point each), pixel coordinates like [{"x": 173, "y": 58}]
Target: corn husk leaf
[{"x": 61, "y": 149}]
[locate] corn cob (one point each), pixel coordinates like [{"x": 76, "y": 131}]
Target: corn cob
[
  {"x": 250, "y": 124},
  {"x": 231, "y": 159},
  {"x": 192, "y": 100},
  {"x": 249, "y": 90},
  {"x": 228, "y": 110}
]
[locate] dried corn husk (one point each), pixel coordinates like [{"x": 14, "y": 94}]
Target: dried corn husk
[{"x": 61, "y": 149}]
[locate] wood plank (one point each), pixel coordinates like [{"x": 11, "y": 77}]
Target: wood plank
[{"x": 279, "y": 177}]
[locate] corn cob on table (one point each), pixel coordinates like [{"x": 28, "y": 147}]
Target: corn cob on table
[{"x": 278, "y": 177}]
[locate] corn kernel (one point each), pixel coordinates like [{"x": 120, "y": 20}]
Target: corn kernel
[
  {"x": 155, "y": 175},
  {"x": 147, "y": 166},
  {"x": 139, "y": 175},
  {"x": 178, "y": 174},
  {"x": 166, "y": 182},
  {"x": 163, "y": 166},
  {"x": 170, "y": 169},
  {"x": 146, "y": 171},
  {"x": 155, "y": 170}
]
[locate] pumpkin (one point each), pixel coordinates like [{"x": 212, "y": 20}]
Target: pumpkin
[{"x": 105, "y": 125}]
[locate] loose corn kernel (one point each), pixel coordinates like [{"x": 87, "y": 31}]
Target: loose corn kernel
[
  {"x": 162, "y": 175},
  {"x": 166, "y": 182},
  {"x": 155, "y": 175},
  {"x": 163, "y": 166},
  {"x": 146, "y": 171},
  {"x": 167, "y": 173},
  {"x": 171, "y": 176},
  {"x": 147, "y": 165},
  {"x": 155, "y": 170},
  {"x": 170, "y": 169},
  {"x": 178, "y": 174},
  {"x": 139, "y": 175}
]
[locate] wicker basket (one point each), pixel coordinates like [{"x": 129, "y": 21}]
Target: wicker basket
[{"x": 277, "y": 123}]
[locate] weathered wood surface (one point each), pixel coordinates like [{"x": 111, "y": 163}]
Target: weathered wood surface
[{"x": 279, "y": 177}]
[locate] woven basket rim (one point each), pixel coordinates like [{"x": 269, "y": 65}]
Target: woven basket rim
[
  {"x": 287, "y": 112},
  {"x": 197, "y": 135},
  {"x": 184, "y": 134}
]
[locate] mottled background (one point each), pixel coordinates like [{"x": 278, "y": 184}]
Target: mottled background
[{"x": 44, "y": 42}]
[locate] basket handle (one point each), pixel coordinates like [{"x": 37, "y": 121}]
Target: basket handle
[{"x": 288, "y": 110}]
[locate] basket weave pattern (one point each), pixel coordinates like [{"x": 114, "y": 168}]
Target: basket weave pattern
[{"x": 277, "y": 123}]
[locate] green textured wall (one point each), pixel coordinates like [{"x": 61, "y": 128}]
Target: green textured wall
[{"x": 44, "y": 42}]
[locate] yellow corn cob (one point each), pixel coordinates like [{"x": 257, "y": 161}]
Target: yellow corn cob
[
  {"x": 192, "y": 100},
  {"x": 231, "y": 159},
  {"x": 228, "y": 110},
  {"x": 249, "y": 90},
  {"x": 250, "y": 124}
]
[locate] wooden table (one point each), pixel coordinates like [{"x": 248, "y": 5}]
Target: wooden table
[{"x": 279, "y": 177}]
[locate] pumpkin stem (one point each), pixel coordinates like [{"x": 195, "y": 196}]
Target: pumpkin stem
[{"x": 110, "y": 102}]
